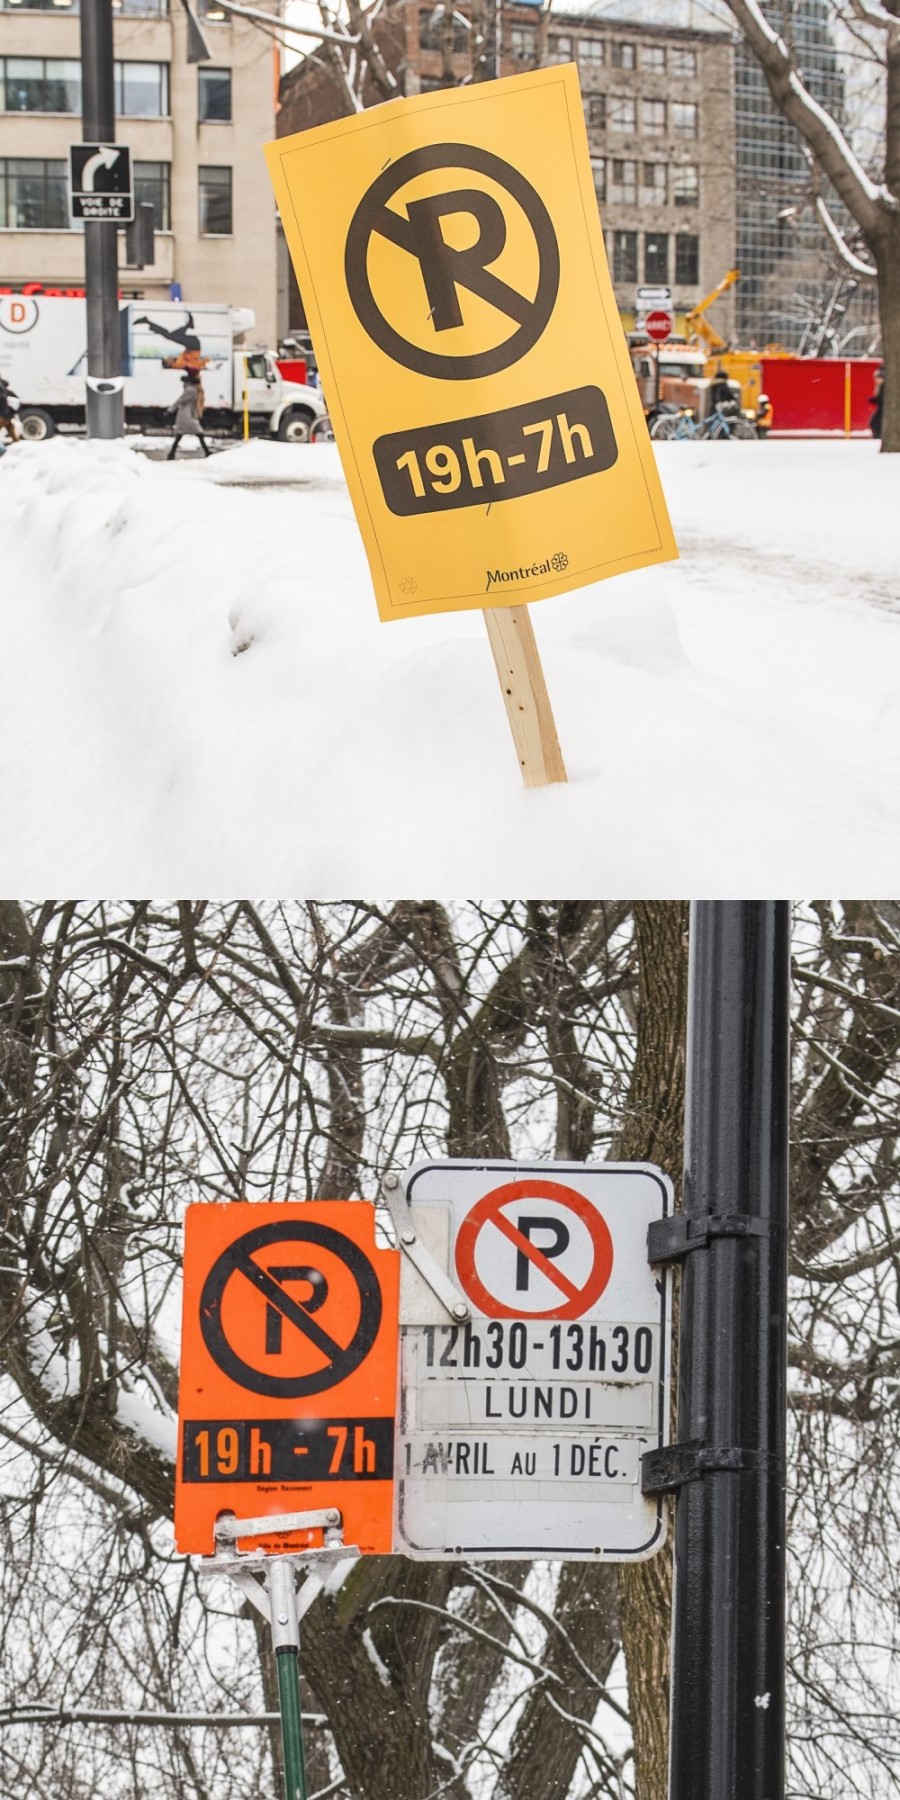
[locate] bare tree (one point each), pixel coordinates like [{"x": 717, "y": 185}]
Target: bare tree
[
  {"x": 153, "y": 1054},
  {"x": 873, "y": 201}
]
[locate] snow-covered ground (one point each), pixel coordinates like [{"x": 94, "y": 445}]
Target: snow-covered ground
[{"x": 196, "y": 694}]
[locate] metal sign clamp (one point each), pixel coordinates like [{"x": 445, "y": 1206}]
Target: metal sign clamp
[
  {"x": 419, "y": 1255},
  {"x": 275, "y": 1596},
  {"x": 671, "y": 1240},
  {"x": 668, "y": 1469}
]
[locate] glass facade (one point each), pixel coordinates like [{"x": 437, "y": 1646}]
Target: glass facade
[
  {"x": 153, "y": 182},
  {"x": 625, "y": 256},
  {"x": 433, "y": 30},
  {"x": 686, "y": 184},
  {"x": 214, "y": 95},
  {"x": 595, "y": 111},
  {"x": 656, "y": 256},
  {"x": 52, "y": 84},
  {"x": 654, "y": 184},
  {"x": 622, "y": 112},
  {"x": 142, "y": 90},
  {"x": 33, "y": 194},
  {"x": 215, "y": 201},
  {"x": 49, "y": 84},
  {"x": 687, "y": 258},
  {"x": 136, "y": 9},
  {"x": 788, "y": 275}
]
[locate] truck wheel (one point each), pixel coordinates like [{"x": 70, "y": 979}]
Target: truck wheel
[
  {"x": 294, "y": 427},
  {"x": 36, "y": 425}
]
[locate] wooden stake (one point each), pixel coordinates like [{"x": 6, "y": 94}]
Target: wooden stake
[{"x": 525, "y": 695}]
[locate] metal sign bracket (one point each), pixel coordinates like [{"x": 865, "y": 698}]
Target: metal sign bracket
[
  {"x": 671, "y": 1467},
  {"x": 419, "y": 1255},
  {"x": 267, "y": 1580},
  {"x": 670, "y": 1240}
]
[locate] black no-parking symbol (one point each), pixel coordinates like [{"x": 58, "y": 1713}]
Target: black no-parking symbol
[
  {"x": 445, "y": 271},
  {"x": 342, "y": 1357}
]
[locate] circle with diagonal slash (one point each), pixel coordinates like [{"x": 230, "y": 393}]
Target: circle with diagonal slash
[
  {"x": 237, "y": 1262},
  {"x": 489, "y": 1212},
  {"x": 421, "y": 236}
]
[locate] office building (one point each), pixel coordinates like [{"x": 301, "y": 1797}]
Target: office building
[
  {"x": 195, "y": 132},
  {"x": 659, "y": 111}
]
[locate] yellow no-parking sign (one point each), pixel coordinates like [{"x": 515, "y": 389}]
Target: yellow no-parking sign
[{"x": 450, "y": 257}]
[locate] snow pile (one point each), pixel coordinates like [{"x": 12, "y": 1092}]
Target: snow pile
[{"x": 197, "y": 695}]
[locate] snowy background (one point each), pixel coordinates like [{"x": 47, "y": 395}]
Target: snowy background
[{"x": 196, "y": 694}]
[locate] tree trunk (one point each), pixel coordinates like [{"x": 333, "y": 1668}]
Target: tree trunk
[
  {"x": 547, "y": 1745},
  {"x": 887, "y": 262}
]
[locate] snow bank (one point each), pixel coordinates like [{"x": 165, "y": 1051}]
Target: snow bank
[{"x": 196, "y": 694}]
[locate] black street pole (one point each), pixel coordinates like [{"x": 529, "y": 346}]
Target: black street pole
[
  {"x": 105, "y": 407},
  {"x": 728, "y": 1652}
]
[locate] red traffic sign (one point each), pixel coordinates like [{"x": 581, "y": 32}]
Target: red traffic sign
[
  {"x": 523, "y": 1244},
  {"x": 658, "y": 326}
]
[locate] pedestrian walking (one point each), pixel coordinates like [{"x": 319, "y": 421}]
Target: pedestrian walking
[
  {"x": 876, "y": 401},
  {"x": 189, "y": 414},
  {"x": 9, "y": 406}
]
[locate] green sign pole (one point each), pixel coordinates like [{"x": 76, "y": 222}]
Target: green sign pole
[{"x": 286, "y": 1639}]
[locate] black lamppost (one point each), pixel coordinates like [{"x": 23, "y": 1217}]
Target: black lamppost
[
  {"x": 105, "y": 409},
  {"x": 728, "y": 1678}
]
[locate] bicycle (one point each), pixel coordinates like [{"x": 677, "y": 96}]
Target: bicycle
[
  {"x": 667, "y": 427},
  {"x": 673, "y": 426},
  {"x": 726, "y": 425}
]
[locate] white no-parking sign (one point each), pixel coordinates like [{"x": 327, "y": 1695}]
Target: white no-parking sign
[{"x": 522, "y": 1425}]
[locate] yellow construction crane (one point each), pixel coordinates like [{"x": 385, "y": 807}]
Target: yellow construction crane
[{"x": 699, "y": 327}]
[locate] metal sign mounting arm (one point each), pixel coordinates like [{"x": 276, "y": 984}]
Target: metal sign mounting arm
[{"x": 411, "y": 1244}]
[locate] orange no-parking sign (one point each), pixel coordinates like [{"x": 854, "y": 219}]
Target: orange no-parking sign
[{"x": 288, "y": 1370}]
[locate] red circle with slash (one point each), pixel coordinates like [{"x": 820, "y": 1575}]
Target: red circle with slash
[{"x": 489, "y": 1211}]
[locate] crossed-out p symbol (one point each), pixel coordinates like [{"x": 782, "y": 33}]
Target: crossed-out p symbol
[{"x": 453, "y": 287}]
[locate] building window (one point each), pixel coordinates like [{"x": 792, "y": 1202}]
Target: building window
[
  {"x": 654, "y": 117},
  {"x": 625, "y": 256},
  {"x": 523, "y": 43},
  {"x": 687, "y": 259},
  {"x": 45, "y": 84},
  {"x": 656, "y": 256},
  {"x": 33, "y": 194},
  {"x": 598, "y": 167},
  {"x": 624, "y": 183},
  {"x": 215, "y": 201},
  {"x": 433, "y": 31},
  {"x": 591, "y": 51},
  {"x": 653, "y": 184},
  {"x": 142, "y": 90},
  {"x": 622, "y": 112},
  {"x": 595, "y": 108},
  {"x": 686, "y": 184},
  {"x": 560, "y": 50},
  {"x": 683, "y": 63},
  {"x": 653, "y": 59},
  {"x": 624, "y": 56},
  {"x": 208, "y": 9},
  {"x": 684, "y": 118},
  {"x": 137, "y": 9},
  {"x": 214, "y": 96},
  {"x": 152, "y": 181}
]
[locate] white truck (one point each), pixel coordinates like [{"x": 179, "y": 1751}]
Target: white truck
[{"x": 43, "y": 356}]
